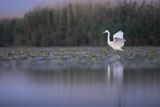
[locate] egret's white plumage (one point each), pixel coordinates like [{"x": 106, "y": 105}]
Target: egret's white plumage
[
  {"x": 118, "y": 35},
  {"x": 118, "y": 40}
]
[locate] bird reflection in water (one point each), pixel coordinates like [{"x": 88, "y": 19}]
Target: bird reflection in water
[{"x": 114, "y": 74}]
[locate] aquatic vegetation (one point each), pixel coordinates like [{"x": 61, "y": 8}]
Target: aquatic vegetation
[{"x": 82, "y": 56}]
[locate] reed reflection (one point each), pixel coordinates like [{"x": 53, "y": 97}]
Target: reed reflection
[{"x": 112, "y": 85}]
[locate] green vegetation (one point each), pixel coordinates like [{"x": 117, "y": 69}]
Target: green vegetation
[{"x": 82, "y": 25}]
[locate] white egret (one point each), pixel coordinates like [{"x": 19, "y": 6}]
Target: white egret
[{"x": 118, "y": 40}]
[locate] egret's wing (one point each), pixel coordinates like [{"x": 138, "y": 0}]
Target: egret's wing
[{"x": 118, "y": 35}]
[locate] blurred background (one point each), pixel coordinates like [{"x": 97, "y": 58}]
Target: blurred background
[
  {"x": 78, "y": 23},
  {"x": 86, "y": 76}
]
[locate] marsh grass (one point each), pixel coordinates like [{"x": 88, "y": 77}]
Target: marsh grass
[
  {"x": 81, "y": 57},
  {"x": 82, "y": 25}
]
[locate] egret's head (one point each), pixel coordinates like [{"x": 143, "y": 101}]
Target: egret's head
[{"x": 106, "y": 31}]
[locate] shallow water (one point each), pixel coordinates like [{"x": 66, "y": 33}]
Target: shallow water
[{"x": 79, "y": 77}]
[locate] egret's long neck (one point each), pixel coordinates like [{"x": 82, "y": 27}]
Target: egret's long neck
[{"x": 108, "y": 36}]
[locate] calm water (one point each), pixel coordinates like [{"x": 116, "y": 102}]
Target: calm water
[{"x": 45, "y": 82}]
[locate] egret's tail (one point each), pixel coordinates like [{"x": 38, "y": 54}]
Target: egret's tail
[{"x": 121, "y": 49}]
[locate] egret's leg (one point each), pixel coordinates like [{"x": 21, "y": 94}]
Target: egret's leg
[
  {"x": 114, "y": 52},
  {"x": 118, "y": 54}
]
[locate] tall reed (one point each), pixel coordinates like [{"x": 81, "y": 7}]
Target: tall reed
[{"x": 82, "y": 25}]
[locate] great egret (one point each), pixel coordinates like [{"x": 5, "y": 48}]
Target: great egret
[{"x": 118, "y": 40}]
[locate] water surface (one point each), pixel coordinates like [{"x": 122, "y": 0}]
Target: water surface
[{"x": 79, "y": 77}]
